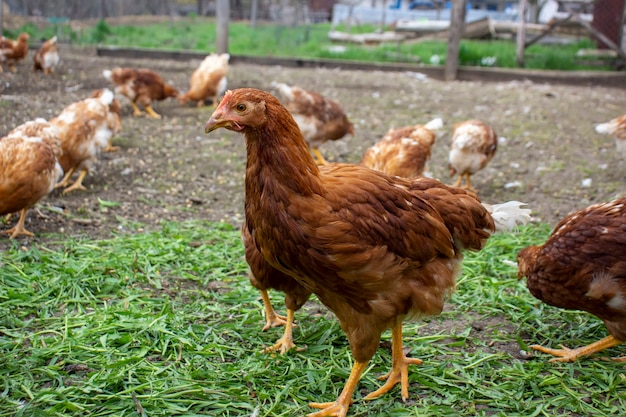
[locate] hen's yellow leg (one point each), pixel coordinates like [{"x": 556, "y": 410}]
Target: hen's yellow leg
[
  {"x": 19, "y": 228},
  {"x": 111, "y": 148},
  {"x": 319, "y": 159},
  {"x": 468, "y": 182},
  {"x": 458, "y": 181},
  {"x": 570, "y": 355},
  {"x": 78, "y": 184},
  {"x": 339, "y": 408},
  {"x": 66, "y": 179},
  {"x": 152, "y": 113},
  {"x": 136, "y": 111},
  {"x": 285, "y": 343},
  {"x": 272, "y": 319},
  {"x": 400, "y": 366}
]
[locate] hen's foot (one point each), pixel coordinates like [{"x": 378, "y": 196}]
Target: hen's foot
[
  {"x": 283, "y": 345},
  {"x": 274, "y": 320},
  {"x": 399, "y": 374},
  {"x": 340, "y": 406},
  {"x": 330, "y": 409},
  {"x": 570, "y": 355},
  {"x": 111, "y": 148}
]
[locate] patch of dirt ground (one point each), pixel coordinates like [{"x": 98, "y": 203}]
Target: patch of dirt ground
[{"x": 549, "y": 154}]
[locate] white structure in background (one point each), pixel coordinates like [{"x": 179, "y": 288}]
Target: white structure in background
[{"x": 363, "y": 12}]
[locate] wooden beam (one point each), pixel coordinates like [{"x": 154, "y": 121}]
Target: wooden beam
[
  {"x": 521, "y": 33},
  {"x": 550, "y": 29}
]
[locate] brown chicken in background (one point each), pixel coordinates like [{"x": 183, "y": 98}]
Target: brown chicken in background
[
  {"x": 474, "y": 144},
  {"x": 405, "y": 151},
  {"x": 47, "y": 56},
  {"x": 28, "y": 170},
  {"x": 263, "y": 277},
  {"x": 85, "y": 129},
  {"x": 142, "y": 86},
  {"x": 615, "y": 128},
  {"x": 320, "y": 119},
  {"x": 208, "y": 81},
  {"x": 582, "y": 266},
  {"x": 13, "y": 51},
  {"x": 375, "y": 249}
]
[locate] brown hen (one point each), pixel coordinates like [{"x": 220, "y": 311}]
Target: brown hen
[
  {"x": 85, "y": 129},
  {"x": 47, "y": 56},
  {"x": 474, "y": 144},
  {"x": 582, "y": 266},
  {"x": 208, "y": 81},
  {"x": 28, "y": 170},
  {"x": 320, "y": 119},
  {"x": 141, "y": 86},
  {"x": 13, "y": 51},
  {"x": 404, "y": 151},
  {"x": 375, "y": 249}
]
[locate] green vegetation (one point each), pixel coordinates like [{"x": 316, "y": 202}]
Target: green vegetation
[
  {"x": 310, "y": 41},
  {"x": 167, "y": 324}
]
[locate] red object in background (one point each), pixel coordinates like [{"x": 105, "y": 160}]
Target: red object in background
[{"x": 607, "y": 18}]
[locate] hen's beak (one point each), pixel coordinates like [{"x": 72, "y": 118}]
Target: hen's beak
[{"x": 215, "y": 123}]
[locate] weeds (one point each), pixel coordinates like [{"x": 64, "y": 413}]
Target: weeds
[{"x": 167, "y": 324}]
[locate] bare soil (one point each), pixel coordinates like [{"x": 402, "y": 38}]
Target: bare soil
[{"x": 549, "y": 154}]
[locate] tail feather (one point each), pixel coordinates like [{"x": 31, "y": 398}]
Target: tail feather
[
  {"x": 507, "y": 216},
  {"x": 435, "y": 124},
  {"x": 107, "y": 74},
  {"x": 106, "y": 97},
  {"x": 604, "y": 128}
]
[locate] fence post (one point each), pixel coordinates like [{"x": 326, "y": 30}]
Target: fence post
[
  {"x": 457, "y": 27},
  {"x": 223, "y": 16}
]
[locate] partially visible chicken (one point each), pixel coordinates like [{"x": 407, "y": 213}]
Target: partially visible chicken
[
  {"x": 28, "y": 170},
  {"x": 405, "y": 151},
  {"x": 208, "y": 81},
  {"x": 263, "y": 277},
  {"x": 375, "y": 249},
  {"x": 582, "y": 266},
  {"x": 13, "y": 51},
  {"x": 474, "y": 144},
  {"x": 47, "y": 56},
  {"x": 320, "y": 119},
  {"x": 86, "y": 128},
  {"x": 617, "y": 129},
  {"x": 141, "y": 86}
]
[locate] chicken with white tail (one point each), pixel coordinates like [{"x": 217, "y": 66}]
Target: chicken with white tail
[{"x": 615, "y": 128}]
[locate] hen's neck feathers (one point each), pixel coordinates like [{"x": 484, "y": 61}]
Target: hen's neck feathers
[{"x": 278, "y": 156}]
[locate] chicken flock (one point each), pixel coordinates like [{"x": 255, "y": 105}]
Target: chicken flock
[{"x": 378, "y": 242}]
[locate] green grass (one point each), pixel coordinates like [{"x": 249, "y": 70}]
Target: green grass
[
  {"x": 309, "y": 41},
  {"x": 167, "y": 324}
]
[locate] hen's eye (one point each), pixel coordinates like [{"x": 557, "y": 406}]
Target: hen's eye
[{"x": 241, "y": 107}]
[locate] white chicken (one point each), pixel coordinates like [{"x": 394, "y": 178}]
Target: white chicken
[{"x": 474, "y": 144}]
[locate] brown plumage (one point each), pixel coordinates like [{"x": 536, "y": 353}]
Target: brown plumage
[
  {"x": 582, "y": 266},
  {"x": 320, "y": 119},
  {"x": 474, "y": 144},
  {"x": 208, "y": 81},
  {"x": 28, "y": 170},
  {"x": 264, "y": 277},
  {"x": 85, "y": 129},
  {"x": 141, "y": 86},
  {"x": 404, "y": 151},
  {"x": 13, "y": 51},
  {"x": 47, "y": 56},
  {"x": 375, "y": 249},
  {"x": 615, "y": 128}
]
